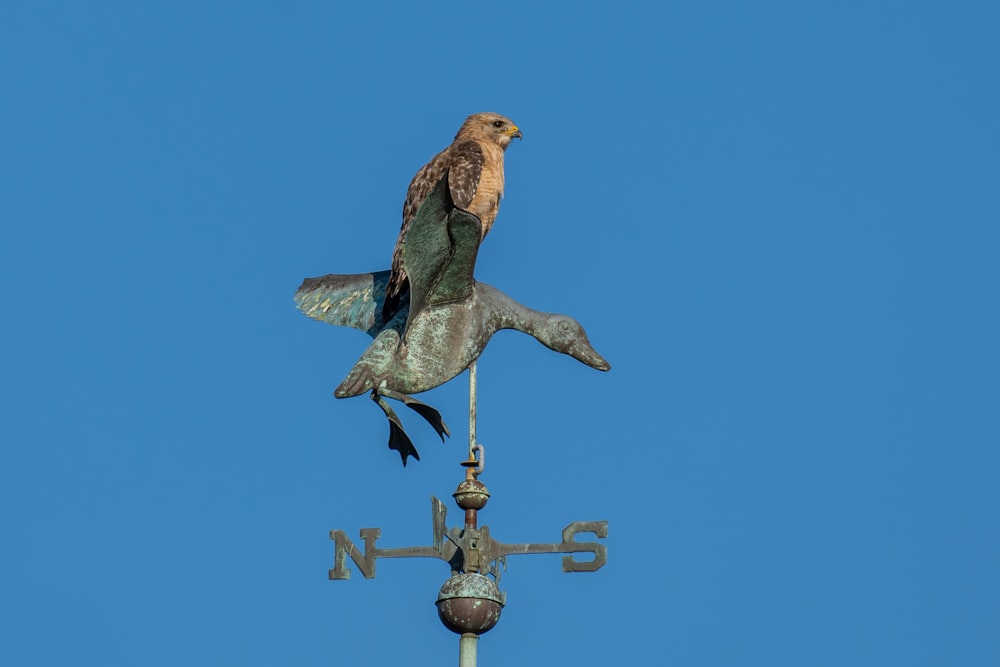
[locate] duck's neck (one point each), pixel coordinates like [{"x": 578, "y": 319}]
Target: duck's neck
[{"x": 505, "y": 313}]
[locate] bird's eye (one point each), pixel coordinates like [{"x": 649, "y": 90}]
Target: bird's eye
[{"x": 498, "y": 123}]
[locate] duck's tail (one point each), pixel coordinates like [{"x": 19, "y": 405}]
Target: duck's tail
[{"x": 357, "y": 382}]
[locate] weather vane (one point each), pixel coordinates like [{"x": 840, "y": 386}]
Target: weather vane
[
  {"x": 430, "y": 321},
  {"x": 469, "y": 602},
  {"x": 441, "y": 328}
]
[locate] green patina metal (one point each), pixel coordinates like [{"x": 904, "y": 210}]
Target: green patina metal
[{"x": 442, "y": 327}]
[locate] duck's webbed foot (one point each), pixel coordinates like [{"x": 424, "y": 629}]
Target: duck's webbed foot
[
  {"x": 431, "y": 415},
  {"x": 398, "y": 439}
]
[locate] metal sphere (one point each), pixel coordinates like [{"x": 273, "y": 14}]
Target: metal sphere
[
  {"x": 471, "y": 495},
  {"x": 469, "y": 603}
]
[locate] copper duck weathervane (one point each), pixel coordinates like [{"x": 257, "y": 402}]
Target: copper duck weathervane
[{"x": 444, "y": 325}]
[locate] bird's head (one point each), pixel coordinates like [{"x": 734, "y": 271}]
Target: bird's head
[
  {"x": 489, "y": 127},
  {"x": 566, "y": 335}
]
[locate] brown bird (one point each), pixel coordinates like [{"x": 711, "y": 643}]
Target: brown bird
[{"x": 474, "y": 162}]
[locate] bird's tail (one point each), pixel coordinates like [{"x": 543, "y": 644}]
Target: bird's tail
[{"x": 357, "y": 382}]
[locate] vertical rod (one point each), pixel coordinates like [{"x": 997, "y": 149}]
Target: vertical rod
[
  {"x": 467, "y": 649},
  {"x": 472, "y": 410}
]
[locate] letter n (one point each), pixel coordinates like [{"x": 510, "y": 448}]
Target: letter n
[{"x": 344, "y": 548}]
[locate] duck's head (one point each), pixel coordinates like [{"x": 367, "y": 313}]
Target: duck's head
[
  {"x": 491, "y": 127},
  {"x": 566, "y": 335}
]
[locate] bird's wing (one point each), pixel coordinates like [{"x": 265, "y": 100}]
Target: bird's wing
[
  {"x": 456, "y": 281},
  {"x": 463, "y": 164},
  {"x": 427, "y": 246},
  {"x": 440, "y": 251},
  {"x": 465, "y": 168},
  {"x": 345, "y": 300},
  {"x": 420, "y": 186}
]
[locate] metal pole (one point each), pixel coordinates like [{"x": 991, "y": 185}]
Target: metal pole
[
  {"x": 472, "y": 409},
  {"x": 467, "y": 649}
]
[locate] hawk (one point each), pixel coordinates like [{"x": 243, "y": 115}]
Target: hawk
[{"x": 474, "y": 163}]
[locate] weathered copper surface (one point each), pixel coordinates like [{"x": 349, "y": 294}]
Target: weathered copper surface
[
  {"x": 468, "y": 549},
  {"x": 471, "y": 495},
  {"x": 469, "y": 602},
  {"x": 442, "y": 327}
]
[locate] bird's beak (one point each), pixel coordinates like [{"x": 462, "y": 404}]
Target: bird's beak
[
  {"x": 513, "y": 131},
  {"x": 583, "y": 351}
]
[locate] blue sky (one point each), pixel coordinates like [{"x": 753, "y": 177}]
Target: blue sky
[{"x": 778, "y": 221}]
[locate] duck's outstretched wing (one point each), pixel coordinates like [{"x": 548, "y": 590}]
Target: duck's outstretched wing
[
  {"x": 345, "y": 300},
  {"x": 427, "y": 246},
  {"x": 440, "y": 250},
  {"x": 456, "y": 282}
]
